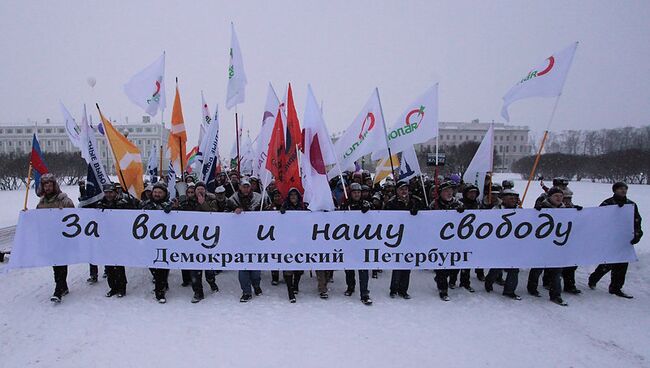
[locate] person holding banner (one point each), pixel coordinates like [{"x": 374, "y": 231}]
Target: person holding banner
[
  {"x": 52, "y": 197},
  {"x": 294, "y": 202},
  {"x": 510, "y": 200},
  {"x": 245, "y": 200},
  {"x": 356, "y": 203},
  {"x": 402, "y": 201},
  {"x": 447, "y": 201},
  {"x": 618, "y": 269},
  {"x": 116, "y": 275},
  {"x": 158, "y": 202},
  {"x": 554, "y": 200}
]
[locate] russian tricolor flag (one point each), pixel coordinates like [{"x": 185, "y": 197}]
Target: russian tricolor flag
[{"x": 36, "y": 160}]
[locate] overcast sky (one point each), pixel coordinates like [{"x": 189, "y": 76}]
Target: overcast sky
[{"x": 476, "y": 49}]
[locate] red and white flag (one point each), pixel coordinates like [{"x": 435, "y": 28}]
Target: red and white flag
[
  {"x": 545, "y": 80},
  {"x": 318, "y": 152}
]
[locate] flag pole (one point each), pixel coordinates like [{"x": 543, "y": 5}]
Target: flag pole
[
  {"x": 237, "y": 137},
  {"x": 162, "y": 135},
  {"x": 424, "y": 189},
  {"x": 390, "y": 155},
  {"x": 435, "y": 179},
  {"x": 29, "y": 180},
  {"x": 266, "y": 179},
  {"x": 539, "y": 151}
]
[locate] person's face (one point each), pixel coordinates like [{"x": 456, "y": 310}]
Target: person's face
[
  {"x": 221, "y": 196},
  {"x": 446, "y": 194},
  {"x": 201, "y": 190},
  {"x": 277, "y": 198},
  {"x": 369, "y": 182},
  {"x": 355, "y": 195},
  {"x": 358, "y": 179},
  {"x": 556, "y": 199},
  {"x": 365, "y": 194},
  {"x": 403, "y": 191},
  {"x": 255, "y": 185},
  {"x": 147, "y": 194},
  {"x": 245, "y": 189},
  {"x": 110, "y": 195},
  {"x": 270, "y": 187},
  {"x": 158, "y": 194},
  {"x": 471, "y": 195},
  {"x": 234, "y": 179},
  {"x": 190, "y": 193},
  {"x": 293, "y": 198},
  {"x": 567, "y": 201},
  {"x": 621, "y": 192},
  {"x": 48, "y": 188},
  {"x": 510, "y": 201},
  {"x": 390, "y": 190}
]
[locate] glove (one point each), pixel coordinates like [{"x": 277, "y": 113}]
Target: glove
[
  {"x": 621, "y": 204},
  {"x": 167, "y": 209},
  {"x": 635, "y": 240},
  {"x": 460, "y": 210},
  {"x": 538, "y": 208},
  {"x": 283, "y": 210},
  {"x": 579, "y": 208},
  {"x": 414, "y": 211},
  {"x": 365, "y": 209}
]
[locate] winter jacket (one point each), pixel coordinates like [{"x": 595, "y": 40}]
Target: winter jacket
[
  {"x": 58, "y": 199},
  {"x": 396, "y": 204},
  {"x": 453, "y": 204},
  {"x": 251, "y": 202},
  {"x": 620, "y": 201}
]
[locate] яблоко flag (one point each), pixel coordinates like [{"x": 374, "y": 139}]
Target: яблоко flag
[
  {"x": 545, "y": 80},
  {"x": 147, "y": 88}
]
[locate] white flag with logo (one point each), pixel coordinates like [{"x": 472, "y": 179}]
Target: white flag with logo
[
  {"x": 409, "y": 167},
  {"x": 90, "y": 150},
  {"x": 211, "y": 150},
  {"x": 417, "y": 124},
  {"x": 236, "y": 75},
  {"x": 71, "y": 127},
  {"x": 206, "y": 118},
  {"x": 481, "y": 163},
  {"x": 264, "y": 136},
  {"x": 318, "y": 154},
  {"x": 545, "y": 80},
  {"x": 147, "y": 88},
  {"x": 365, "y": 135}
]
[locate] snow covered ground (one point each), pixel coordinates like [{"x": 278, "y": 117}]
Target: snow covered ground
[{"x": 478, "y": 330}]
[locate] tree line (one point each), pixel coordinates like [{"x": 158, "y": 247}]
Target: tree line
[
  {"x": 69, "y": 168},
  {"x": 629, "y": 165}
]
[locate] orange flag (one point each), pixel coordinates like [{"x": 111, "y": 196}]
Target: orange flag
[
  {"x": 177, "y": 137},
  {"x": 128, "y": 161},
  {"x": 282, "y": 160}
]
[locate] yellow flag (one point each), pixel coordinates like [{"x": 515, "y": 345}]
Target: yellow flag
[
  {"x": 177, "y": 137},
  {"x": 383, "y": 168},
  {"x": 128, "y": 161}
]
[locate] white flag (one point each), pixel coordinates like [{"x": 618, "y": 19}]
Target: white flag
[
  {"x": 318, "y": 153},
  {"x": 147, "y": 88},
  {"x": 71, "y": 127},
  {"x": 211, "y": 150},
  {"x": 481, "y": 163},
  {"x": 236, "y": 75},
  {"x": 545, "y": 80},
  {"x": 365, "y": 135},
  {"x": 264, "y": 136},
  {"x": 206, "y": 118},
  {"x": 409, "y": 167},
  {"x": 90, "y": 151},
  {"x": 247, "y": 155},
  {"x": 417, "y": 124},
  {"x": 152, "y": 164}
]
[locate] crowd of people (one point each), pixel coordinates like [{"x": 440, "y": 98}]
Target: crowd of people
[{"x": 351, "y": 192}]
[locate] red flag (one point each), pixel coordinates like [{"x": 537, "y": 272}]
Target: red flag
[
  {"x": 294, "y": 134},
  {"x": 282, "y": 161}
]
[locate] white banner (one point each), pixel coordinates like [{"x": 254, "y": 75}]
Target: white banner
[{"x": 522, "y": 238}]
